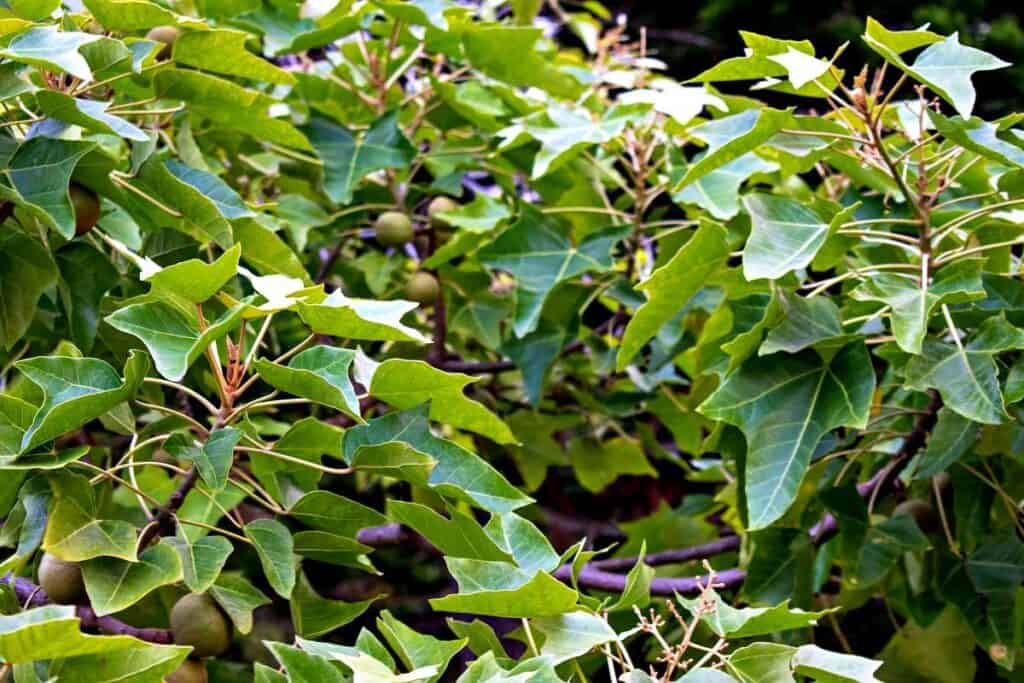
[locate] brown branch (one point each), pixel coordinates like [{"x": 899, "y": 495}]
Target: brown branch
[
  {"x": 596, "y": 575},
  {"x": 476, "y": 367},
  {"x": 31, "y": 595},
  {"x": 161, "y": 524}
]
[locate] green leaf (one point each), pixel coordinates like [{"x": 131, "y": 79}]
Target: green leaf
[
  {"x": 481, "y": 636},
  {"x": 805, "y": 323},
  {"x": 273, "y": 544},
  {"x": 39, "y": 172},
  {"x": 747, "y": 622},
  {"x": 202, "y": 505},
  {"x": 397, "y": 460},
  {"x": 965, "y": 374},
  {"x": 225, "y": 200},
  {"x": 564, "y": 133},
  {"x": 417, "y": 650},
  {"x": 86, "y": 276},
  {"x": 26, "y": 271},
  {"x": 74, "y": 531},
  {"x": 457, "y": 536},
  {"x": 599, "y": 464},
  {"x": 172, "y": 337},
  {"x": 53, "y": 49},
  {"x": 15, "y": 417},
  {"x": 202, "y": 560},
  {"x": 572, "y": 635},
  {"x": 34, "y": 9},
  {"x": 115, "y": 584},
  {"x": 199, "y": 198},
  {"x": 366, "y": 319},
  {"x": 266, "y": 252},
  {"x": 499, "y": 589},
  {"x": 637, "y": 591},
  {"x": 731, "y": 137},
  {"x": 213, "y": 458},
  {"x": 784, "y": 236},
  {"x": 458, "y": 472},
  {"x": 130, "y": 15},
  {"x": 944, "y": 65},
  {"x": 540, "y": 256},
  {"x": 348, "y": 158},
  {"x": 717, "y": 192},
  {"x": 481, "y": 215},
  {"x": 53, "y": 632},
  {"x": 940, "y": 652},
  {"x": 320, "y": 374},
  {"x": 308, "y": 439},
  {"x": 303, "y": 667},
  {"x": 763, "y": 662},
  {"x": 672, "y": 285},
  {"x": 223, "y": 51},
  {"x": 489, "y": 48},
  {"x": 784, "y": 409},
  {"x": 89, "y": 114},
  {"x": 408, "y": 383},
  {"x": 330, "y": 512},
  {"x": 76, "y": 391},
  {"x": 883, "y": 546},
  {"x": 314, "y": 615},
  {"x": 239, "y": 599},
  {"x": 330, "y": 548},
  {"x": 980, "y": 137},
  {"x": 522, "y": 539},
  {"x": 220, "y": 101},
  {"x": 912, "y": 305},
  {"x": 834, "y": 667},
  {"x": 952, "y": 437},
  {"x": 147, "y": 662},
  {"x": 195, "y": 280}
]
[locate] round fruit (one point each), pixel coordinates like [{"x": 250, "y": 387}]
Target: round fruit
[
  {"x": 190, "y": 671},
  {"x": 422, "y": 288},
  {"x": 439, "y": 205},
  {"x": 166, "y": 35},
  {"x": 87, "y": 208},
  {"x": 922, "y": 511},
  {"x": 393, "y": 228},
  {"x": 61, "y": 580},
  {"x": 197, "y": 621}
]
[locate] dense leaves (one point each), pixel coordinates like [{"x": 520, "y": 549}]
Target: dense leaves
[{"x": 408, "y": 341}]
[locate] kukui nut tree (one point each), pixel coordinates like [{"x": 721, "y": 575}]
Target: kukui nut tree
[{"x": 398, "y": 341}]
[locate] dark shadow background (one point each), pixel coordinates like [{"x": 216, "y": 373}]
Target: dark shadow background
[{"x": 691, "y": 36}]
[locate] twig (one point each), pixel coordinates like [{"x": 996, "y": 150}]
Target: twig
[{"x": 33, "y": 596}]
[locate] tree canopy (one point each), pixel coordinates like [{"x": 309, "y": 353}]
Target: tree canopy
[{"x": 398, "y": 341}]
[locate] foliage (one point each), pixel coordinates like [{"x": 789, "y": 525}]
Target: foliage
[{"x": 773, "y": 352}]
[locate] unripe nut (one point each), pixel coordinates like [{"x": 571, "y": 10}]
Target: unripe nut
[
  {"x": 166, "y": 35},
  {"x": 393, "y": 228},
  {"x": 196, "y": 620},
  {"x": 86, "y": 206},
  {"x": 922, "y": 511},
  {"x": 61, "y": 580},
  {"x": 437, "y": 206},
  {"x": 423, "y": 288},
  {"x": 190, "y": 671}
]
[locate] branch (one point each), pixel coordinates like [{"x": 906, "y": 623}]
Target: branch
[
  {"x": 674, "y": 556},
  {"x": 32, "y": 595},
  {"x": 161, "y": 523},
  {"x": 599, "y": 579},
  {"x": 386, "y": 534},
  {"x": 474, "y": 368},
  {"x": 597, "y": 575}
]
